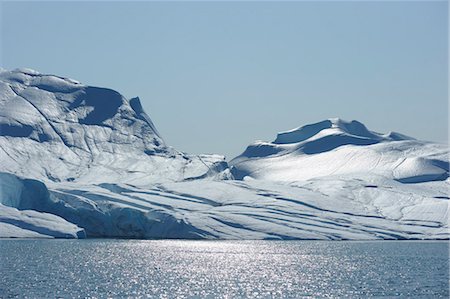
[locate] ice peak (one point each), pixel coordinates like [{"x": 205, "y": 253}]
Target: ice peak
[
  {"x": 320, "y": 137},
  {"x": 338, "y": 127}
]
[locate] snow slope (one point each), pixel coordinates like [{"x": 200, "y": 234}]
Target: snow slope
[{"x": 84, "y": 161}]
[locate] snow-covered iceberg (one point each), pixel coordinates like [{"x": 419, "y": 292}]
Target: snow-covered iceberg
[
  {"x": 337, "y": 147},
  {"x": 83, "y": 161}
]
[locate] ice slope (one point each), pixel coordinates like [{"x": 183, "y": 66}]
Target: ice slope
[
  {"x": 80, "y": 160},
  {"x": 337, "y": 147},
  {"x": 332, "y": 208},
  {"x": 57, "y": 129}
]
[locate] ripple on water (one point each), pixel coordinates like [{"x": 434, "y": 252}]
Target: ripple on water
[{"x": 254, "y": 269}]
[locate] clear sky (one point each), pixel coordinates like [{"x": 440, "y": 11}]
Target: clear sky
[{"x": 215, "y": 76}]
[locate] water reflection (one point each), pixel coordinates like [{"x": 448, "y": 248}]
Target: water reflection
[{"x": 226, "y": 269}]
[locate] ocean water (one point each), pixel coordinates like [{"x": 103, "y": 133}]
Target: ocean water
[{"x": 222, "y": 269}]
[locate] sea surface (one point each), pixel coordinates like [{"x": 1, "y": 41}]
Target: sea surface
[{"x": 222, "y": 269}]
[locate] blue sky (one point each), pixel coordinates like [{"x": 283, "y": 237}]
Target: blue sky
[{"x": 215, "y": 76}]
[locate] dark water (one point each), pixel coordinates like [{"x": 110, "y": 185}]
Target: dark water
[{"x": 178, "y": 269}]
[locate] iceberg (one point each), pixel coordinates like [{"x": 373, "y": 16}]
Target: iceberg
[{"x": 82, "y": 161}]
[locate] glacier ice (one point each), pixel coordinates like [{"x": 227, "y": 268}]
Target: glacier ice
[{"x": 84, "y": 161}]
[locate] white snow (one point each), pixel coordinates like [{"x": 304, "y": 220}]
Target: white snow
[{"x": 84, "y": 160}]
